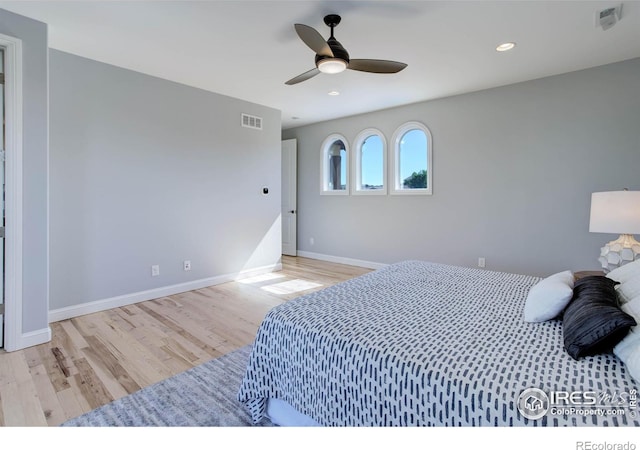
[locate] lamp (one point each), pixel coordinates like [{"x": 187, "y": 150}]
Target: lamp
[{"x": 616, "y": 212}]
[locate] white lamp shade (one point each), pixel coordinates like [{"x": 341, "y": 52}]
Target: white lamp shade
[{"x": 615, "y": 212}]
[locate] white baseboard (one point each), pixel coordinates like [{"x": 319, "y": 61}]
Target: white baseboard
[
  {"x": 33, "y": 338},
  {"x": 69, "y": 312},
  {"x": 342, "y": 260}
]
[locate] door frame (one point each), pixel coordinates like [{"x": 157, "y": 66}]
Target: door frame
[{"x": 13, "y": 193}]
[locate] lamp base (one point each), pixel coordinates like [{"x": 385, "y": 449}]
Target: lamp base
[{"x": 617, "y": 253}]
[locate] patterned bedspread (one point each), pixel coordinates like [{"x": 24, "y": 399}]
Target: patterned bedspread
[{"x": 423, "y": 344}]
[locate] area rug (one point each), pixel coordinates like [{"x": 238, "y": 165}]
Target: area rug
[{"x": 204, "y": 396}]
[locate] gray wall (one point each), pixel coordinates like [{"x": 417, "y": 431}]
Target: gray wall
[
  {"x": 146, "y": 171},
  {"x": 35, "y": 178},
  {"x": 514, "y": 169}
]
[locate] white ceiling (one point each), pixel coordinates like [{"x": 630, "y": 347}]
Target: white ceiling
[{"x": 248, "y": 49}]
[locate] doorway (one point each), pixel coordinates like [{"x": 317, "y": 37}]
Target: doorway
[{"x": 289, "y": 207}]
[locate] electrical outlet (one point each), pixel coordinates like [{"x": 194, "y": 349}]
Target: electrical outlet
[
  {"x": 312, "y": 241},
  {"x": 155, "y": 270},
  {"x": 481, "y": 262},
  {"x": 187, "y": 265}
]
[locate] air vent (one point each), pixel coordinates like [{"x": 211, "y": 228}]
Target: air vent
[
  {"x": 249, "y": 121},
  {"x": 607, "y": 18}
]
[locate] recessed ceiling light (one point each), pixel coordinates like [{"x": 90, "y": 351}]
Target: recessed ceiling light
[
  {"x": 334, "y": 93},
  {"x": 505, "y": 47}
]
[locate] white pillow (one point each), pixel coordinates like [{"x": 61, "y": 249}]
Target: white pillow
[
  {"x": 628, "y": 351},
  {"x": 628, "y": 290},
  {"x": 547, "y": 299},
  {"x": 625, "y": 272},
  {"x": 632, "y": 308}
]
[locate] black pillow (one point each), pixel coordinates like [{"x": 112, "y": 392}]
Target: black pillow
[{"x": 593, "y": 322}]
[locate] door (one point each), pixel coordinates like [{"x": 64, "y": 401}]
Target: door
[
  {"x": 289, "y": 197},
  {"x": 2, "y": 146}
]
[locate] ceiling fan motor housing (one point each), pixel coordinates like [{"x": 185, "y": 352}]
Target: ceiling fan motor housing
[{"x": 337, "y": 49}]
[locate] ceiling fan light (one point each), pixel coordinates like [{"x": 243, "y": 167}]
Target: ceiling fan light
[{"x": 332, "y": 65}]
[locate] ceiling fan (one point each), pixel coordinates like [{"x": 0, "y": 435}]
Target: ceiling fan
[{"x": 331, "y": 56}]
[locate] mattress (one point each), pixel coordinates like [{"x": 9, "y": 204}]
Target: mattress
[{"x": 425, "y": 344}]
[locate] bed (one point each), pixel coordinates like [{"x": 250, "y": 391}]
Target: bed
[{"x": 424, "y": 344}]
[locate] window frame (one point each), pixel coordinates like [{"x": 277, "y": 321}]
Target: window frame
[
  {"x": 395, "y": 180},
  {"x": 324, "y": 169},
  {"x": 360, "y": 139}
]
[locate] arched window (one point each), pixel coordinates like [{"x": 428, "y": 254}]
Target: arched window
[
  {"x": 369, "y": 163},
  {"x": 334, "y": 166},
  {"x": 411, "y": 166}
]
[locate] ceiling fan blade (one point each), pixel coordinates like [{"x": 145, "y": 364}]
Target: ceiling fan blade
[
  {"x": 376, "y": 65},
  {"x": 314, "y": 40},
  {"x": 303, "y": 76}
]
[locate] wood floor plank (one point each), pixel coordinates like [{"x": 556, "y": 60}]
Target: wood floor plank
[
  {"x": 113, "y": 353},
  {"x": 160, "y": 312},
  {"x": 132, "y": 360},
  {"x": 32, "y": 356},
  {"x": 58, "y": 380},
  {"x": 62, "y": 342},
  {"x": 147, "y": 364},
  {"x": 107, "y": 367},
  {"x": 210, "y": 317},
  {"x": 49, "y": 401},
  {"x": 93, "y": 390},
  {"x": 12, "y": 403},
  {"x": 20, "y": 399},
  {"x": 74, "y": 337},
  {"x": 73, "y": 399},
  {"x": 70, "y": 405},
  {"x": 153, "y": 341},
  {"x": 177, "y": 342}
]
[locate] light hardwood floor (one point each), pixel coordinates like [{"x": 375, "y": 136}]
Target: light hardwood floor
[{"x": 94, "y": 359}]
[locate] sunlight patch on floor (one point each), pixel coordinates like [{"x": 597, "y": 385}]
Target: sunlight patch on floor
[
  {"x": 261, "y": 278},
  {"x": 291, "y": 287}
]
